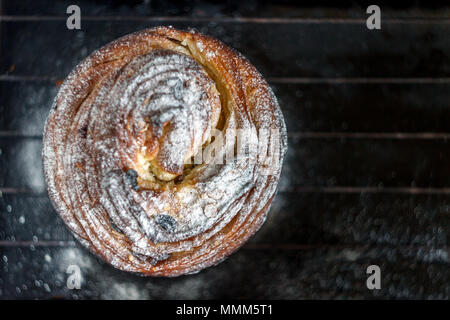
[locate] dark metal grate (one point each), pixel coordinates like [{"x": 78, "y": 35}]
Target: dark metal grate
[{"x": 367, "y": 175}]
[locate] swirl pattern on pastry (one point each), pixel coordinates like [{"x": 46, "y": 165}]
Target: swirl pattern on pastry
[{"x": 121, "y": 141}]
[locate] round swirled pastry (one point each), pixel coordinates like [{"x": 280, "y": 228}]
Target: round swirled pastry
[{"x": 163, "y": 151}]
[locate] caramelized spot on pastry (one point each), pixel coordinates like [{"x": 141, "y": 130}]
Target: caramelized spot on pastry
[
  {"x": 132, "y": 178},
  {"x": 167, "y": 222}
]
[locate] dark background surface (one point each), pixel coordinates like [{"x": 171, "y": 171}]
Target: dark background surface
[{"x": 366, "y": 178}]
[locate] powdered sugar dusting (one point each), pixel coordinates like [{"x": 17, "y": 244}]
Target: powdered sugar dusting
[{"x": 124, "y": 124}]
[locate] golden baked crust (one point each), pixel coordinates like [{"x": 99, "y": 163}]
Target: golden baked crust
[{"x": 121, "y": 137}]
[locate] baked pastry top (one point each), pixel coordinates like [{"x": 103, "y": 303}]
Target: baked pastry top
[{"x": 163, "y": 151}]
